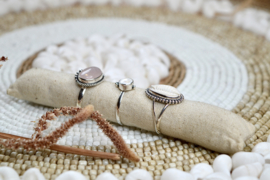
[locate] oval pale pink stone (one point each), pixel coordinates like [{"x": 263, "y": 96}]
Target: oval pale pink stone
[{"x": 90, "y": 73}]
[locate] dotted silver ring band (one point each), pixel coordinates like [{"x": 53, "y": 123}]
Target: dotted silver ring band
[
  {"x": 163, "y": 94},
  {"x": 157, "y": 98}
]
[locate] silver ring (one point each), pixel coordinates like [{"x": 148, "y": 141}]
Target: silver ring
[
  {"x": 123, "y": 85},
  {"x": 88, "y": 77},
  {"x": 166, "y": 95}
]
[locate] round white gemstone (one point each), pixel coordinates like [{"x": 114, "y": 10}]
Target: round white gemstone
[{"x": 126, "y": 81}]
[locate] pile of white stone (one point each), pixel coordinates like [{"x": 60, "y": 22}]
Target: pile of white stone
[{"x": 117, "y": 56}]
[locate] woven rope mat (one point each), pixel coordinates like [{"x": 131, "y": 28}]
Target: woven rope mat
[
  {"x": 260, "y": 4},
  {"x": 162, "y": 154},
  {"x": 176, "y": 75}
]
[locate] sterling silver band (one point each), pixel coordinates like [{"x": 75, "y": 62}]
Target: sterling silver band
[
  {"x": 80, "y": 97},
  {"x": 158, "y": 120},
  {"x": 163, "y": 94},
  {"x": 118, "y": 108},
  {"x": 123, "y": 85}
]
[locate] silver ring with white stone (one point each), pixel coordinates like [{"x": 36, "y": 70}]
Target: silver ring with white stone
[
  {"x": 88, "y": 77},
  {"x": 163, "y": 94},
  {"x": 123, "y": 85}
]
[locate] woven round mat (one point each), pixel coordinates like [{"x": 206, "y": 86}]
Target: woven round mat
[
  {"x": 176, "y": 75},
  {"x": 159, "y": 155}
]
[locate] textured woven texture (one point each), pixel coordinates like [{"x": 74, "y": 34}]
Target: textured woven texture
[{"x": 161, "y": 154}]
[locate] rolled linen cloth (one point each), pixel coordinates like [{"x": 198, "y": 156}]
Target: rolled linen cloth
[{"x": 203, "y": 124}]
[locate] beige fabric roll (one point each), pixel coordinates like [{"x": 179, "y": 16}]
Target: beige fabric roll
[{"x": 196, "y": 122}]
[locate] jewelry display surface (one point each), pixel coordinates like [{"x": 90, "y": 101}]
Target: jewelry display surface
[
  {"x": 197, "y": 72},
  {"x": 221, "y": 89},
  {"x": 253, "y": 100}
]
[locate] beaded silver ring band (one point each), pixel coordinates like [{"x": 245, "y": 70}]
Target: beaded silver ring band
[
  {"x": 163, "y": 94},
  {"x": 123, "y": 85},
  {"x": 89, "y": 77}
]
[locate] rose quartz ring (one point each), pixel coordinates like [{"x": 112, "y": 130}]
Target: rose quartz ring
[{"x": 88, "y": 77}]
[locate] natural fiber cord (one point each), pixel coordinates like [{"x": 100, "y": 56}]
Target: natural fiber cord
[{"x": 159, "y": 155}]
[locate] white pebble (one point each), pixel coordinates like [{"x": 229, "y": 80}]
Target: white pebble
[
  {"x": 225, "y": 7},
  {"x": 139, "y": 174},
  {"x": 267, "y": 159},
  {"x": 265, "y": 174},
  {"x": 52, "y": 49},
  {"x": 100, "y": 2},
  {"x": 40, "y": 62},
  {"x": 71, "y": 175},
  {"x": 136, "y": 3},
  {"x": 192, "y": 6},
  {"x": 94, "y": 61},
  {"x": 153, "y": 3},
  {"x": 201, "y": 170},
  {"x": 106, "y": 176},
  {"x": 7, "y": 173},
  {"x": 246, "y": 178},
  {"x": 68, "y": 2},
  {"x": 262, "y": 148},
  {"x": 3, "y": 8},
  {"x": 33, "y": 174},
  {"x": 223, "y": 163},
  {"x": 141, "y": 82},
  {"x": 114, "y": 75},
  {"x": 217, "y": 176},
  {"x": 243, "y": 158},
  {"x": 175, "y": 174},
  {"x": 30, "y": 5},
  {"x": 161, "y": 69},
  {"x": 52, "y": 3},
  {"x": 174, "y": 5},
  {"x": 117, "y": 56},
  {"x": 209, "y": 8},
  {"x": 13, "y": 5},
  {"x": 152, "y": 75},
  {"x": 253, "y": 169},
  {"x": 116, "y": 2}
]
